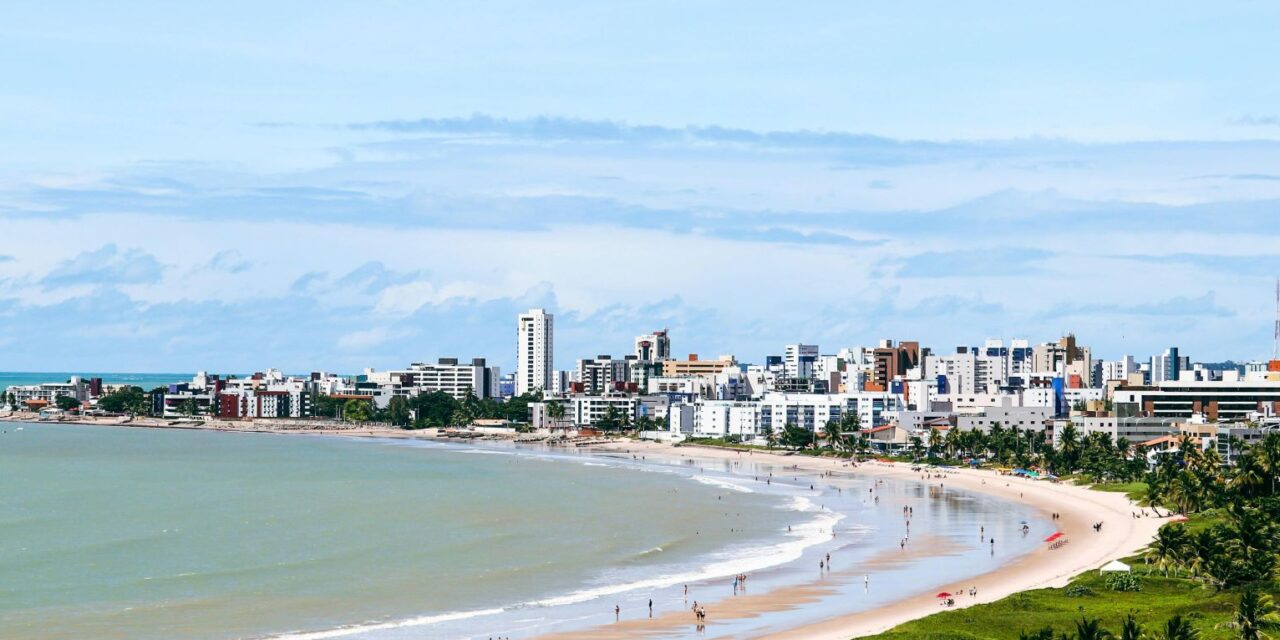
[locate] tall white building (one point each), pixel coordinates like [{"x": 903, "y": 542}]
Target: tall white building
[
  {"x": 534, "y": 351},
  {"x": 1119, "y": 369},
  {"x": 799, "y": 360},
  {"x": 653, "y": 347},
  {"x": 1168, "y": 367}
]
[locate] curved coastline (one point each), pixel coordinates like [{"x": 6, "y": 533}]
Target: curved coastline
[{"x": 1078, "y": 508}]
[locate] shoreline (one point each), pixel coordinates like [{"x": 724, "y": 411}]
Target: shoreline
[{"x": 1079, "y": 507}]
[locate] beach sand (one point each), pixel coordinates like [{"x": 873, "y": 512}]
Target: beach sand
[{"x": 1078, "y": 508}]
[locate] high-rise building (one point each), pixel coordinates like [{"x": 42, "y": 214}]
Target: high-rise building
[
  {"x": 890, "y": 362},
  {"x": 654, "y": 347},
  {"x": 1168, "y": 367},
  {"x": 535, "y": 349},
  {"x": 1119, "y": 369},
  {"x": 799, "y": 359}
]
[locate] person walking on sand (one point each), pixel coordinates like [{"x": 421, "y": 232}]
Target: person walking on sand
[
  {"x": 617, "y": 613},
  {"x": 650, "y": 607}
]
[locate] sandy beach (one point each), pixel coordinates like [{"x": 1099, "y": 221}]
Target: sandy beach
[{"x": 1078, "y": 508}]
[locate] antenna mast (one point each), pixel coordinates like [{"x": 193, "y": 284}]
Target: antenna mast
[{"x": 1275, "y": 349}]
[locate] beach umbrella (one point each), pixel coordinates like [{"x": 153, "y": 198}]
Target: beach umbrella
[
  {"x": 944, "y": 594},
  {"x": 1053, "y": 537}
]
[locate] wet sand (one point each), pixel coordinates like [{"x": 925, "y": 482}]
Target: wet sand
[{"x": 1078, "y": 508}]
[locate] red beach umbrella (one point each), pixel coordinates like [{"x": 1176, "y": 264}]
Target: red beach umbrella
[
  {"x": 944, "y": 594},
  {"x": 1053, "y": 537}
]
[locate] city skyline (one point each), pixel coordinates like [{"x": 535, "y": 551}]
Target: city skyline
[{"x": 177, "y": 205}]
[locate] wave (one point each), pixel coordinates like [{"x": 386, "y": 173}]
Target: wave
[
  {"x": 734, "y": 560},
  {"x": 722, "y": 483},
  {"x": 728, "y": 562},
  {"x": 382, "y": 626}
]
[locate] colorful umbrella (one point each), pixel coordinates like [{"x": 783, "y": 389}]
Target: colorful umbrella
[
  {"x": 944, "y": 594},
  {"x": 1054, "y": 537}
]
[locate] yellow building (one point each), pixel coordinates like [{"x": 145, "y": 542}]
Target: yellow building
[{"x": 695, "y": 367}]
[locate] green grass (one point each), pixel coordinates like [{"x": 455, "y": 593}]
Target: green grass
[
  {"x": 1160, "y": 599},
  {"x": 1137, "y": 491}
]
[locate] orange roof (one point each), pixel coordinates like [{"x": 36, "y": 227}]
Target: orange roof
[
  {"x": 1160, "y": 440},
  {"x": 36, "y": 403}
]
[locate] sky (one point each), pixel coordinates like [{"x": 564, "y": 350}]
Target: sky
[{"x": 334, "y": 186}]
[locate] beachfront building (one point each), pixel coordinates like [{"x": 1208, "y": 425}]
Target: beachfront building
[
  {"x": 722, "y": 418},
  {"x": 813, "y": 411},
  {"x": 38, "y": 396},
  {"x": 535, "y": 351},
  {"x": 1008, "y": 417},
  {"x": 592, "y": 410},
  {"x": 248, "y": 402},
  {"x": 603, "y": 374},
  {"x": 458, "y": 379}
]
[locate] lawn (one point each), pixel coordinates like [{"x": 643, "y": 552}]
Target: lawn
[{"x": 1159, "y": 599}]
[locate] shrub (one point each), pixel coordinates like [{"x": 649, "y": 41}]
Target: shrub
[
  {"x": 1123, "y": 581},
  {"x": 1078, "y": 591}
]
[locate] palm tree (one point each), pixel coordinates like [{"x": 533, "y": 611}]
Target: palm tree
[
  {"x": 1250, "y": 477},
  {"x": 1269, "y": 456},
  {"x": 1255, "y": 613},
  {"x": 1043, "y": 634},
  {"x": 834, "y": 436},
  {"x": 863, "y": 445},
  {"x": 555, "y": 411},
  {"x": 917, "y": 446},
  {"x": 1091, "y": 630},
  {"x": 1069, "y": 446},
  {"x": 1130, "y": 629},
  {"x": 935, "y": 441},
  {"x": 1177, "y": 629},
  {"x": 1169, "y": 548}
]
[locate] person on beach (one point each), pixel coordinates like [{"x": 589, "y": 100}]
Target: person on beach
[
  {"x": 617, "y": 612},
  {"x": 650, "y": 607}
]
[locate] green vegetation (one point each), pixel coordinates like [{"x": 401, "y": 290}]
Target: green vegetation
[
  {"x": 1210, "y": 578},
  {"x": 427, "y": 410},
  {"x": 131, "y": 400},
  {"x": 66, "y": 403}
]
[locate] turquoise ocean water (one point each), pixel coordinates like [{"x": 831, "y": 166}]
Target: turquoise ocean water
[{"x": 147, "y": 381}]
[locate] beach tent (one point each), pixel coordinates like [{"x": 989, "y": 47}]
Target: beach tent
[{"x": 1113, "y": 567}]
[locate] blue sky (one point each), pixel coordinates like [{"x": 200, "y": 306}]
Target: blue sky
[{"x": 369, "y": 184}]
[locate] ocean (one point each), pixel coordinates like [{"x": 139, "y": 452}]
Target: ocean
[
  {"x": 118, "y": 532},
  {"x": 147, "y": 381}
]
